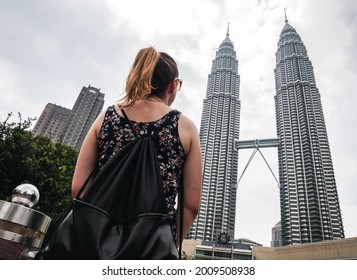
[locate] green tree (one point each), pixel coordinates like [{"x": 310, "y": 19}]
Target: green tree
[{"x": 38, "y": 161}]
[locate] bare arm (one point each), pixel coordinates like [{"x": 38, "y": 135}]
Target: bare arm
[
  {"x": 192, "y": 174},
  {"x": 88, "y": 156}
]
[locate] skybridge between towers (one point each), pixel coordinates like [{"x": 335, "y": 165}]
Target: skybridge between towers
[{"x": 257, "y": 144}]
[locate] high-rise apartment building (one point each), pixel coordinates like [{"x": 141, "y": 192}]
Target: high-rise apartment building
[
  {"x": 310, "y": 209},
  {"x": 51, "y": 122},
  {"x": 276, "y": 236},
  {"x": 218, "y": 132},
  {"x": 84, "y": 112},
  {"x": 71, "y": 126}
]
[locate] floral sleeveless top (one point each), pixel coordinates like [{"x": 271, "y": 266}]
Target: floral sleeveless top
[{"x": 115, "y": 133}]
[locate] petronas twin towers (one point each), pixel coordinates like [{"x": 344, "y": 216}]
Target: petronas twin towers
[
  {"x": 309, "y": 203},
  {"x": 218, "y": 132}
]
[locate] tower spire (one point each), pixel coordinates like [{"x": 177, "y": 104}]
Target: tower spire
[
  {"x": 286, "y": 18},
  {"x": 227, "y": 30}
]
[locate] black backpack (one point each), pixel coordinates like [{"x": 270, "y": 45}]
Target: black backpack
[{"x": 122, "y": 214}]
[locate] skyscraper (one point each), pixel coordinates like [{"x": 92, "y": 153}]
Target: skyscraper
[
  {"x": 310, "y": 209},
  {"x": 276, "y": 236},
  {"x": 51, "y": 122},
  {"x": 218, "y": 132},
  {"x": 70, "y": 126},
  {"x": 84, "y": 112}
]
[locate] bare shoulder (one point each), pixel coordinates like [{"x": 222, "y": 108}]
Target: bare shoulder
[
  {"x": 187, "y": 124},
  {"x": 188, "y": 133},
  {"x": 99, "y": 122}
]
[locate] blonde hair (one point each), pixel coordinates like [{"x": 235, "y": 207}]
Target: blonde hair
[{"x": 150, "y": 75}]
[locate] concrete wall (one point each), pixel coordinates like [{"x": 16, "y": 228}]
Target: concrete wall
[
  {"x": 189, "y": 247},
  {"x": 326, "y": 250}
]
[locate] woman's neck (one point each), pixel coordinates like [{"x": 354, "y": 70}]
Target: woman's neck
[{"x": 155, "y": 99}]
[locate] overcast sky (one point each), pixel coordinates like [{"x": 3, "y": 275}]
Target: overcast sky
[{"x": 50, "y": 49}]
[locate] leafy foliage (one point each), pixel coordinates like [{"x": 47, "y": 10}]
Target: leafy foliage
[{"x": 39, "y": 161}]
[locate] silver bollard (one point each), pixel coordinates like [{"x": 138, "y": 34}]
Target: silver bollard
[{"x": 22, "y": 229}]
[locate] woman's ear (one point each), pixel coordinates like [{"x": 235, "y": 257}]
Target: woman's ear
[
  {"x": 171, "y": 92},
  {"x": 172, "y": 86}
]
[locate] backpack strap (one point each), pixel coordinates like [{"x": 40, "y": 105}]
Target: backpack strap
[
  {"x": 181, "y": 218},
  {"x": 153, "y": 134},
  {"x": 91, "y": 176},
  {"x": 130, "y": 123}
]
